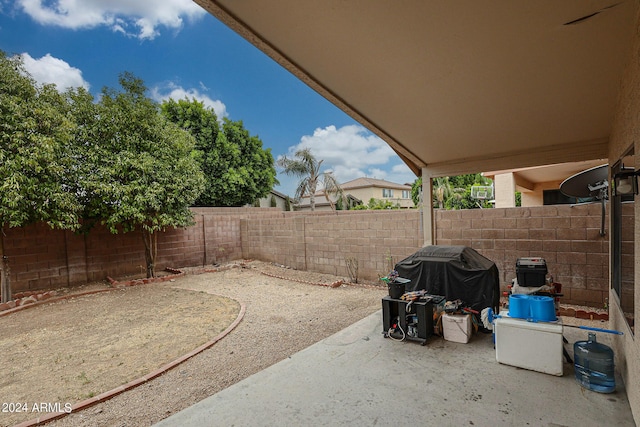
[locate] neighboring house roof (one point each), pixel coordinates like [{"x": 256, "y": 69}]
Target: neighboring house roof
[
  {"x": 321, "y": 201},
  {"x": 279, "y": 194},
  {"x": 372, "y": 182}
]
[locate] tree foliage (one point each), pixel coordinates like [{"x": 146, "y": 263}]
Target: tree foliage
[
  {"x": 305, "y": 166},
  {"x": 237, "y": 169},
  {"x": 377, "y": 204},
  {"x": 416, "y": 192},
  {"x": 66, "y": 159},
  {"x": 453, "y": 192},
  {"x": 202, "y": 124},
  {"x": 244, "y": 170},
  {"x": 138, "y": 171},
  {"x": 35, "y": 162}
]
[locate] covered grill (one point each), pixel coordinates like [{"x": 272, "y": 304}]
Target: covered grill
[{"x": 456, "y": 272}]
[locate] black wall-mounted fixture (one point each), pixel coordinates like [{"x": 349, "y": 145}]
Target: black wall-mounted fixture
[{"x": 625, "y": 182}]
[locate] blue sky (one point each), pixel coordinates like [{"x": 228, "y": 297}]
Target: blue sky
[{"x": 180, "y": 50}]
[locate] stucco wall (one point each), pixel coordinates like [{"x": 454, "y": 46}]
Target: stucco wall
[
  {"x": 626, "y": 133},
  {"x": 536, "y": 197},
  {"x": 366, "y": 193},
  {"x": 505, "y": 190}
]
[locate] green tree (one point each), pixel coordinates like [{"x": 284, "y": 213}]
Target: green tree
[
  {"x": 453, "y": 192},
  {"x": 442, "y": 190},
  {"x": 86, "y": 152},
  {"x": 35, "y": 162},
  {"x": 463, "y": 199},
  {"x": 305, "y": 166},
  {"x": 377, "y": 204},
  {"x": 202, "y": 124},
  {"x": 245, "y": 170},
  {"x": 416, "y": 192},
  {"x": 237, "y": 169},
  {"x": 143, "y": 175},
  {"x": 466, "y": 181}
]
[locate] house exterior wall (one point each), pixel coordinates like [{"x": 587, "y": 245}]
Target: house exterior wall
[
  {"x": 365, "y": 194},
  {"x": 281, "y": 203},
  {"x": 536, "y": 197},
  {"x": 625, "y": 133},
  {"x": 505, "y": 190}
]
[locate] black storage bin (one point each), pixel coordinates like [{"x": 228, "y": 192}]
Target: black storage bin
[
  {"x": 397, "y": 287},
  {"x": 531, "y": 272}
]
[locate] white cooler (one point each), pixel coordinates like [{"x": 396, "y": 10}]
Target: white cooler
[{"x": 530, "y": 345}]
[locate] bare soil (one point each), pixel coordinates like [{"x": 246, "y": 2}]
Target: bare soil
[{"x": 67, "y": 351}]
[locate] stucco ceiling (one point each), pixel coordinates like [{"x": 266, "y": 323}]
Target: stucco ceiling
[{"x": 460, "y": 85}]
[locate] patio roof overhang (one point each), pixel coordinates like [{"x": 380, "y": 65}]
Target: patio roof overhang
[
  {"x": 525, "y": 179},
  {"x": 458, "y": 86}
]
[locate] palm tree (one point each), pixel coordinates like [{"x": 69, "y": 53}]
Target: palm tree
[
  {"x": 305, "y": 166},
  {"x": 442, "y": 190}
]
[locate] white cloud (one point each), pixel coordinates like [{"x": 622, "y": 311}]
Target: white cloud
[
  {"x": 402, "y": 174},
  {"x": 350, "y": 152},
  {"x": 53, "y": 70},
  {"x": 138, "y": 18},
  {"x": 175, "y": 92}
]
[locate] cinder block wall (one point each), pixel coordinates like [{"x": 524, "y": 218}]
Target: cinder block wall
[
  {"x": 323, "y": 242},
  {"x": 567, "y": 237},
  {"x": 41, "y": 258}
]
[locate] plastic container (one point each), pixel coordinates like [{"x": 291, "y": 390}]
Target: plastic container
[
  {"x": 543, "y": 309},
  {"x": 519, "y": 306},
  {"x": 529, "y": 345},
  {"x": 397, "y": 287},
  {"x": 531, "y": 271},
  {"x": 456, "y": 327},
  {"x": 594, "y": 365}
]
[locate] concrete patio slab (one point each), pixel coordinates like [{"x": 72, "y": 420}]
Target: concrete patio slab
[{"x": 358, "y": 377}]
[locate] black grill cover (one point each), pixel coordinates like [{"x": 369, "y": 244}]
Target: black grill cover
[{"x": 456, "y": 272}]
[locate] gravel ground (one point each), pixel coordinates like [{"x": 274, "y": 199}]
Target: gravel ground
[{"x": 282, "y": 317}]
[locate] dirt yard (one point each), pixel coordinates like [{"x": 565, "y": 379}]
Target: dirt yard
[{"x": 63, "y": 352}]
